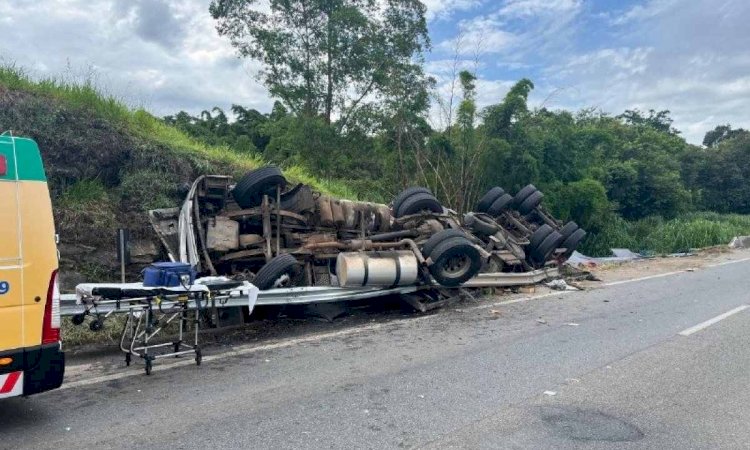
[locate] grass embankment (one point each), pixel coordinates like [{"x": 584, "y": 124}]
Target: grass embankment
[
  {"x": 660, "y": 236},
  {"x": 142, "y": 124},
  {"x": 107, "y": 164}
]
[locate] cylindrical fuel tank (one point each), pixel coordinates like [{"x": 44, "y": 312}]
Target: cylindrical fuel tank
[{"x": 387, "y": 268}]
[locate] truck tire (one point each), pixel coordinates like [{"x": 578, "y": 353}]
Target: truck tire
[
  {"x": 571, "y": 243},
  {"x": 439, "y": 237},
  {"x": 538, "y": 236},
  {"x": 568, "y": 229},
  {"x": 499, "y": 205},
  {"x": 523, "y": 194},
  {"x": 251, "y": 188},
  {"x": 406, "y": 193},
  {"x": 543, "y": 251},
  {"x": 454, "y": 261},
  {"x": 278, "y": 272},
  {"x": 531, "y": 202},
  {"x": 417, "y": 203},
  {"x": 487, "y": 199},
  {"x": 481, "y": 223}
]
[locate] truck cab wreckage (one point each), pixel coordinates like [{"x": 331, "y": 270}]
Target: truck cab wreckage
[
  {"x": 259, "y": 231},
  {"x": 258, "y": 242}
]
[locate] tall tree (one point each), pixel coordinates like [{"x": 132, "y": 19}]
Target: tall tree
[
  {"x": 658, "y": 120},
  {"x": 326, "y": 57},
  {"x": 722, "y": 133}
]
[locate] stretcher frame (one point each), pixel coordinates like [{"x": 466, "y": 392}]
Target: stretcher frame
[{"x": 144, "y": 323}]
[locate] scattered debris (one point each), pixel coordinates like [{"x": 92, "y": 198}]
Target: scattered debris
[
  {"x": 542, "y": 321},
  {"x": 572, "y": 324},
  {"x": 561, "y": 285},
  {"x": 619, "y": 255},
  {"x": 550, "y": 393},
  {"x": 527, "y": 289},
  {"x": 740, "y": 242},
  {"x": 496, "y": 312}
]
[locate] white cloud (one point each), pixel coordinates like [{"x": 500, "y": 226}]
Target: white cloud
[
  {"x": 164, "y": 55},
  {"x": 480, "y": 35},
  {"x": 516, "y": 28},
  {"x": 526, "y": 8},
  {"x": 443, "y": 9},
  {"x": 640, "y": 12}
]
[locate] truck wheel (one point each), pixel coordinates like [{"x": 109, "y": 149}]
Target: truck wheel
[
  {"x": 539, "y": 235},
  {"x": 499, "y": 205},
  {"x": 406, "y": 193},
  {"x": 439, "y": 237},
  {"x": 454, "y": 261},
  {"x": 540, "y": 254},
  {"x": 523, "y": 194},
  {"x": 481, "y": 223},
  {"x": 568, "y": 229},
  {"x": 571, "y": 243},
  {"x": 277, "y": 273},
  {"x": 531, "y": 202},
  {"x": 487, "y": 199},
  {"x": 418, "y": 203},
  {"x": 251, "y": 188}
]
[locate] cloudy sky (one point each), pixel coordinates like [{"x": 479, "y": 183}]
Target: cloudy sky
[{"x": 689, "y": 56}]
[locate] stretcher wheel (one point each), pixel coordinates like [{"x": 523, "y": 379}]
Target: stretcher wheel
[
  {"x": 176, "y": 348},
  {"x": 149, "y": 366},
  {"x": 198, "y": 356},
  {"x": 127, "y": 359},
  {"x": 96, "y": 325},
  {"x": 78, "y": 319}
]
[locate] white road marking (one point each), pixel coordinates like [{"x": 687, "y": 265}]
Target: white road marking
[
  {"x": 709, "y": 322},
  {"x": 726, "y": 263},
  {"x": 137, "y": 370},
  {"x": 251, "y": 348},
  {"x": 520, "y": 300},
  {"x": 650, "y": 277},
  {"x": 676, "y": 272}
]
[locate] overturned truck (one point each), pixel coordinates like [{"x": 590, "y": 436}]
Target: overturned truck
[{"x": 262, "y": 230}]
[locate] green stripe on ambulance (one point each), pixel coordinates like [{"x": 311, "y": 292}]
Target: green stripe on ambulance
[{"x": 25, "y": 164}]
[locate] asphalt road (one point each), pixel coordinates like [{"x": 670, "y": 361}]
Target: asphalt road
[{"x": 604, "y": 368}]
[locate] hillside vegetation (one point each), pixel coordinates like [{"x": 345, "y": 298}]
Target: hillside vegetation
[{"x": 108, "y": 164}]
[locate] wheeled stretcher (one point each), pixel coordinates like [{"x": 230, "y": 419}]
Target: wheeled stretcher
[{"x": 150, "y": 309}]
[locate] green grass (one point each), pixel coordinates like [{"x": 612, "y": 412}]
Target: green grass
[
  {"x": 84, "y": 192},
  {"x": 654, "y": 234},
  {"x": 140, "y": 123}
]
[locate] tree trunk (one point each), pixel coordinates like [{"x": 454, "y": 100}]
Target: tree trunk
[{"x": 329, "y": 71}]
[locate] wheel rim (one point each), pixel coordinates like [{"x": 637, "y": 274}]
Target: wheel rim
[
  {"x": 456, "y": 265},
  {"x": 283, "y": 281}
]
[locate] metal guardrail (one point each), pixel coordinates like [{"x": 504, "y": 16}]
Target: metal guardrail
[{"x": 323, "y": 294}]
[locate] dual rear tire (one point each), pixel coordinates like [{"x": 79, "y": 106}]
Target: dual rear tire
[
  {"x": 454, "y": 258},
  {"x": 415, "y": 200},
  {"x": 545, "y": 240},
  {"x": 251, "y": 188}
]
